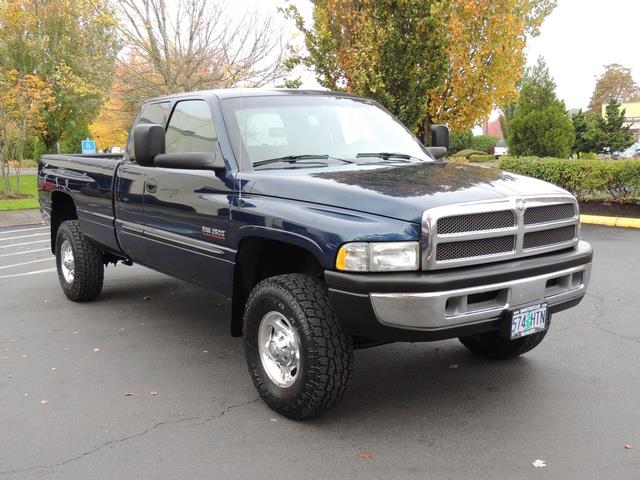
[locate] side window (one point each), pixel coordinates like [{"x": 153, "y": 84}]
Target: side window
[
  {"x": 149, "y": 113},
  {"x": 191, "y": 128}
]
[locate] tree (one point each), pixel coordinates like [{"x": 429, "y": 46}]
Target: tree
[
  {"x": 111, "y": 127},
  {"x": 614, "y": 135},
  {"x": 391, "y": 51},
  {"x": 72, "y": 45},
  {"x": 486, "y": 56},
  {"x": 191, "y": 45},
  {"x": 23, "y": 103},
  {"x": 586, "y": 133},
  {"x": 425, "y": 60},
  {"x": 615, "y": 83},
  {"x": 540, "y": 124}
]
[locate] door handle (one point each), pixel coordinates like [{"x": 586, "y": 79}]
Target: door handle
[{"x": 151, "y": 187}]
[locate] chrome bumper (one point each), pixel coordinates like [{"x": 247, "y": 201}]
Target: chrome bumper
[{"x": 453, "y": 308}]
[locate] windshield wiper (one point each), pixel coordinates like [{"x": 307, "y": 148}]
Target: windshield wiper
[
  {"x": 387, "y": 155},
  {"x": 297, "y": 158}
]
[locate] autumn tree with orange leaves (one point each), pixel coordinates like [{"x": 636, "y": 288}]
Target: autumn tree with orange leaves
[{"x": 448, "y": 61}]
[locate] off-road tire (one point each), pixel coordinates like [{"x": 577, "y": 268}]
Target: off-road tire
[
  {"x": 326, "y": 352},
  {"x": 492, "y": 345},
  {"x": 89, "y": 266}
]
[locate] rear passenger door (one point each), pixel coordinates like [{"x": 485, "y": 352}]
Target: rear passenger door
[
  {"x": 130, "y": 185},
  {"x": 187, "y": 211}
]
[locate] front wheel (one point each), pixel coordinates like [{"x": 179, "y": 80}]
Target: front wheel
[
  {"x": 80, "y": 264},
  {"x": 298, "y": 356},
  {"x": 492, "y": 345}
]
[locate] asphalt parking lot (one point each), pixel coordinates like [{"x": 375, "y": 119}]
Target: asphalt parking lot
[{"x": 147, "y": 383}]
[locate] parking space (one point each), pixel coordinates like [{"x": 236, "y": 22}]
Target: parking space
[{"x": 147, "y": 383}]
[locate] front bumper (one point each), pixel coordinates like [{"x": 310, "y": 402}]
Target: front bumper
[{"x": 421, "y": 306}]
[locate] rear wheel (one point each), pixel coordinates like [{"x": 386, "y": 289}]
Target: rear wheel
[
  {"x": 79, "y": 262},
  {"x": 492, "y": 345},
  {"x": 298, "y": 357}
]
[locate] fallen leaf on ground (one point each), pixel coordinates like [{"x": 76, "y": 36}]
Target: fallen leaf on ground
[
  {"x": 454, "y": 365},
  {"x": 628, "y": 446},
  {"x": 364, "y": 456},
  {"x": 539, "y": 463}
]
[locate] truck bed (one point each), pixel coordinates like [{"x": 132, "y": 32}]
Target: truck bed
[{"x": 89, "y": 178}]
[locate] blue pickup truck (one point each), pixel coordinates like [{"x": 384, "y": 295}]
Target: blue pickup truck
[{"x": 328, "y": 224}]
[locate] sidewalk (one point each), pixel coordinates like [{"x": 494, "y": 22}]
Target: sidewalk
[{"x": 20, "y": 217}]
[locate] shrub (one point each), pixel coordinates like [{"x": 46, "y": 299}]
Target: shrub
[
  {"x": 460, "y": 140},
  {"x": 467, "y": 153},
  {"x": 475, "y": 158},
  {"x": 620, "y": 180},
  {"x": 484, "y": 143}
]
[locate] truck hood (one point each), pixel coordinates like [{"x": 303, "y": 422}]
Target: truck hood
[{"x": 402, "y": 191}]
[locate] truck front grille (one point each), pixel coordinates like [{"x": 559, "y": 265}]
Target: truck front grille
[
  {"x": 477, "y": 222},
  {"x": 543, "y": 238},
  {"x": 475, "y": 248},
  {"x": 549, "y": 213},
  {"x": 514, "y": 227}
]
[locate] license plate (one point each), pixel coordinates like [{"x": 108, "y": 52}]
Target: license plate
[{"x": 528, "y": 320}]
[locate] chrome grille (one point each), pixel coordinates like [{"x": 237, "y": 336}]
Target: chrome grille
[
  {"x": 543, "y": 238},
  {"x": 477, "y": 222},
  {"x": 549, "y": 213},
  {"x": 513, "y": 227},
  {"x": 475, "y": 248}
]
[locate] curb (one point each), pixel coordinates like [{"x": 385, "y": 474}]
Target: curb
[{"x": 622, "y": 222}]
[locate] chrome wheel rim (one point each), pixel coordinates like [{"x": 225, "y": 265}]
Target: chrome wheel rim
[
  {"x": 279, "y": 348},
  {"x": 67, "y": 262}
]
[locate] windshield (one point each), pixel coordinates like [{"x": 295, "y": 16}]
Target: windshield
[{"x": 315, "y": 130}]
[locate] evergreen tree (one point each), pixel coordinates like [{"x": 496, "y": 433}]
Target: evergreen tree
[
  {"x": 614, "y": 135},
  {"x": 540, "y": 124}
]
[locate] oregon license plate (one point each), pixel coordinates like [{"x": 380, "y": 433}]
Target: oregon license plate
[{"x": 528, "y": 320}]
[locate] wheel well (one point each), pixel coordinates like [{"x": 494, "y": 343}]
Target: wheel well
[
  {"x": 62, "y": 209},
  {"x": 260, "y": 258}
]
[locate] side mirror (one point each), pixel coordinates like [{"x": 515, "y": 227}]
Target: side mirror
[
  {"x": 190, "y": 161},
  {"x": 148, "y": 141},
  {"x": 440, "y": 136}
]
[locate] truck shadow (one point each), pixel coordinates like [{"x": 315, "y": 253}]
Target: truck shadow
[{"x": 440, "y": 385}]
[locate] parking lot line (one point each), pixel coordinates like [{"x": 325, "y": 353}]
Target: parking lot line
[
  {"x": 24, "y": 230},
  {"x": 24, "y": 236},
  {"x": 20, "y": 244},
  {"x": 26, "y": 251},
  {"x": 46, "y": 270},
  {"x": 27, "y": 263}
]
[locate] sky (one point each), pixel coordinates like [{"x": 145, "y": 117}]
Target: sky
[
  {"x": 580, "y": 37},
  {"x": 576, "y": 40}
]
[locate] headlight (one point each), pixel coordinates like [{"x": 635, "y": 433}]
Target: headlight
[{"x": 378, "y": 257}]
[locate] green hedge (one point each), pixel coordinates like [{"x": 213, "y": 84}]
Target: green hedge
[
  {"x": 617, "y": 179},
  {"x": 476, "y": 158},
  {"x": 467, "y": 153}
]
